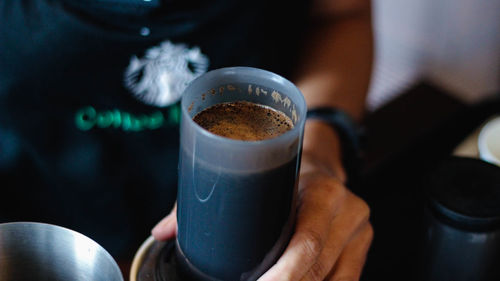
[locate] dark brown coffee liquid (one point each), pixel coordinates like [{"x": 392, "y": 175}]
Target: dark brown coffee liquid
[{"x": 244, "y": 121}]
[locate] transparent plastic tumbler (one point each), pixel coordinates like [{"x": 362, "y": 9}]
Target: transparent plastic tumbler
[{"x": 236, "y": 199}]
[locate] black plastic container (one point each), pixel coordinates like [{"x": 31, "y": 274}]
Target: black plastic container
[{"x": 462, "y": 238}]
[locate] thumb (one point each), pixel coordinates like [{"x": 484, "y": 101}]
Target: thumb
[{"x": 167, "y": 227}]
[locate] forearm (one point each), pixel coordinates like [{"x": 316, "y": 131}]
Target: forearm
[
  {"x": 335, "y": 71},
  {"x": 336, "y": 63}
]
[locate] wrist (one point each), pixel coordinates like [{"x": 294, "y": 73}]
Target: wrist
[
  {"x": 322, "y": 150},
  {"x": 344, "y": 136}
]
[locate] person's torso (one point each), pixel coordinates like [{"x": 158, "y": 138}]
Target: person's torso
[{"x": 77, "y": 147}]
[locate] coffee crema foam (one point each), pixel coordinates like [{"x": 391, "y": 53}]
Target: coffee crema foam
[{"x": 243, "y": 120}]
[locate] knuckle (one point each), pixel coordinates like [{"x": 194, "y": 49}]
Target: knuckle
[
  {"x": 365, "y": 209},
  {"x": 362, "y": 209},
  {"x": 345, "y": 278},
  {"x": 334, "y": 194},
  {"x": 369, "y": 232},
  {"x": 336, "y": 187},
  {"x": 317, "y": 271},
  {"x": 312, "y": 244}
]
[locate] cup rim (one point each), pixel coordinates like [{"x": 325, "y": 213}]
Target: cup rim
[
  {"x": 251, "y": 71},
  {"x": 139, "y": 257}
]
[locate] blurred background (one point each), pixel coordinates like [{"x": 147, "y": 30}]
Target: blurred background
[
  {"x": 453, "y": 43},
  {"x": 436, "y": 81}
]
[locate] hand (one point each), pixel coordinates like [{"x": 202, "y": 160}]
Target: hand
[{"x": 332, "y": 234}]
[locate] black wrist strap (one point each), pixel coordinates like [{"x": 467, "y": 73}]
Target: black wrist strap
[{"x": 350, "y": 135}]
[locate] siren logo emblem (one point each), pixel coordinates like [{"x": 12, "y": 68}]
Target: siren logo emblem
[
  {"x": 160, "y": 77},
  {"x": 157, "y": 79}
]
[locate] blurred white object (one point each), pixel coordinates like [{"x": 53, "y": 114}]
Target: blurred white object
[
  {"x": 489, "y": 142},
  {"x": 160, "y": 77},
  {"x": 453, "y": 43}
]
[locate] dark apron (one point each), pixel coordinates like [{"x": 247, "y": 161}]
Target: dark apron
[{"x": 61, "y": 75}]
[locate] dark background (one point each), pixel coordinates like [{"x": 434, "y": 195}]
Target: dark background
[{"x": 405, "y": 140}]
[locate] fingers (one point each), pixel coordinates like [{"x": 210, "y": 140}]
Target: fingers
[
  {"x": 346, "y": 227},
  {"x": 351, "y": 262},
  {"x": 329, "y": 222},
  {"x": 167, "y": 227},
  {"x": 319, "y": 202}
]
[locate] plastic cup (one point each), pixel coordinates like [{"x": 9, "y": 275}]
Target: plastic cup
[{"x": 236, "y": 199}]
